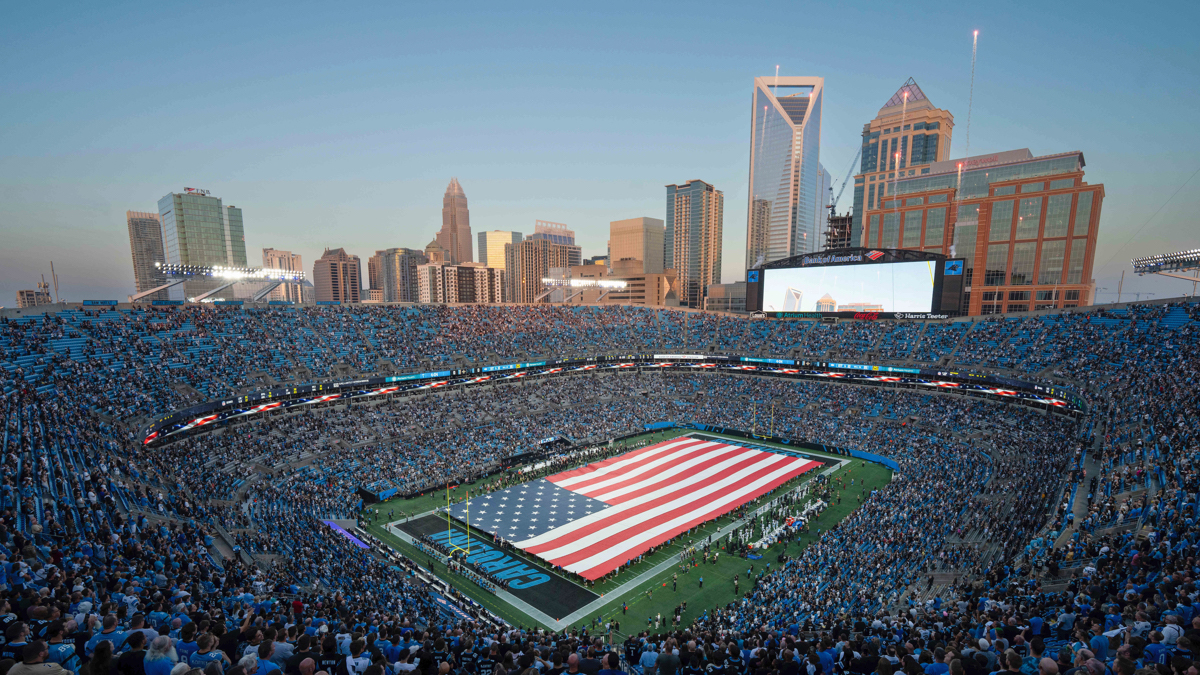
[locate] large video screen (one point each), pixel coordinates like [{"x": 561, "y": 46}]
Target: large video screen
[{"x": 881, "y": 287}]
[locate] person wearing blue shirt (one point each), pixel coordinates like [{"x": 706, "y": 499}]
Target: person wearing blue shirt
[
  {"x": 62, "y": 653},
  {"x": 939, "y": 665},
  {"x": 649, "y": 659},
  {"x": 1156, "y": 651},
  {"x": 186, "y": 645},
  {"x": 158, "y": 659},
  {"x": 1099, "y": 643},
  {"x": 109, "y": 633},
  {"x": 206, "y": 654}
]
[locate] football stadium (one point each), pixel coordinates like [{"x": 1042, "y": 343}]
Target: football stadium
[
  {"x": 884, "y": 387},
  {"x": 605, "y": 475}
]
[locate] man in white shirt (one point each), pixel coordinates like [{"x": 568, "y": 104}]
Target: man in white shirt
[{"x": 357, "y": 663}]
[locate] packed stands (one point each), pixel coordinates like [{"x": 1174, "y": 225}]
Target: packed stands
[{"x": 1004, "y": 527}]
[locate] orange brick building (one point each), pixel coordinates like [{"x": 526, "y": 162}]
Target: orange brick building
[{"x": 1026, "y": 227}]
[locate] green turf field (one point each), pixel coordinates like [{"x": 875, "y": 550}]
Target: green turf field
[{"x": 649, "y": 600}]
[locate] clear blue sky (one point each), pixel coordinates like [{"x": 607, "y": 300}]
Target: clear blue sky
[{"x": 341, "y": 124}]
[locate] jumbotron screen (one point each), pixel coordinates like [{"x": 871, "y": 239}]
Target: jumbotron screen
[{"x": 881, "y": 287}]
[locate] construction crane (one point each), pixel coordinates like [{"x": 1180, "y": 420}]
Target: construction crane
[
  {"x": 845, "y": 181},
  {"x": 838, "y": 234}
]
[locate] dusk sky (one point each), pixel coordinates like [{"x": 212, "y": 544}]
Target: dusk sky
[{"x": 340, "y": 125}]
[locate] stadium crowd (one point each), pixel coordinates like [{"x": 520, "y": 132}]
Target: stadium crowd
[{"x": 969, "y": 561}]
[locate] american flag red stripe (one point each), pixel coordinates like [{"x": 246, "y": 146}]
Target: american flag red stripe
[{"x": 654, "y": 494}]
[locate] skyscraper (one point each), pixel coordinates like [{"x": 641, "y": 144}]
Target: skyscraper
[
  {"x": 692, "y": 241},
  {"x": 439, "y": 282},
  {"x": 397, "y": 269},
  {"x": 528, "y": 262},
  {"x": 455, "y": 235},
  {"x": 906, "y": 136},
  {"x": 198, "y": 229},
  {"x": 374, "y": 265},
  {"x": 146, "y": 246},
  {"x": 1025, "y": 226},
  {"x": 785, "y": 204},
  {"x": 275, "y": 259},
  {"x": 337, "y": 277},
  {"x": 637, "y": 239},
  {"x": 558, "y": 233},
  {"x": 491, "y": 247}
]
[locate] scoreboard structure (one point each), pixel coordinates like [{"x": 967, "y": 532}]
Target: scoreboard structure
[{"x": 858, "y": 283}]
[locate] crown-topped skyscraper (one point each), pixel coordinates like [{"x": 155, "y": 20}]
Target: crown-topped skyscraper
[
  {"x": 455, "y": 235},
  {"x": 907, "y": 135}
]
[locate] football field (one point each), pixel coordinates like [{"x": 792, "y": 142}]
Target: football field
[
  {"x": 591, "y": 520},
  {"x": 603, "y": 540}
]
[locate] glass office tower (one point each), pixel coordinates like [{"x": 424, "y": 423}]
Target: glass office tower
[
  {"x": 200, "y": 230},
  {"x": 785, "y": 201}
]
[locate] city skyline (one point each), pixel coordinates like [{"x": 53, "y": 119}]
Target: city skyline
[{"x": 314, "y": 170}]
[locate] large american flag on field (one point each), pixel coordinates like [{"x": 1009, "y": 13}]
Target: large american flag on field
[{"x": 593, "y": 519}]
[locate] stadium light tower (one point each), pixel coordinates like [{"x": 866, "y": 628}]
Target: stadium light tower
[
  {"x": 1170, "y": 265},
  {"x": 231, "y": 275}
]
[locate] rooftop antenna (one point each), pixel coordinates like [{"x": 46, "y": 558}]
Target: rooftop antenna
[{"x": 775, "y": 87}]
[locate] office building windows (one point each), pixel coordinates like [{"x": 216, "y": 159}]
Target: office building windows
[
  {"x": 1006, "y": 190},
  {"x": 912, "y": 229},
  {"x": 871, "y": 195},
  {"x": 914, "y": 201},
  {"x": 1031, "y": 187},
  {"x": 1062, "y": 183},
  {"x": 996, "y": 266},
  {"x": 891, "y": 230},
  {"x": 1075, "y": 268},
  {"x": 966, "y": 222},
  {"x": 1029, "y": 218},
  {"x": 918, "y": 149},
  {"x": 1000, "y": 228},
  {"x": 1050, "y": 270},
  {"x": 1017, "y": 296},
  {"x": 1022, "y": 263},
  {"x": 1083, "y": 215},
  {"x": 935, "y": 227},
  {"x": 1058, "y": 213}
]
